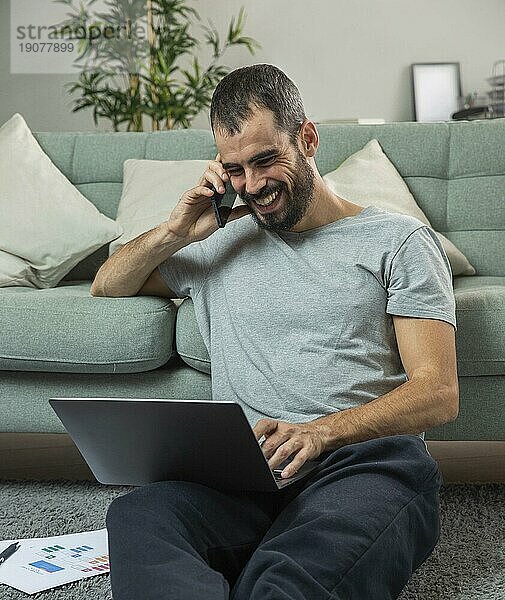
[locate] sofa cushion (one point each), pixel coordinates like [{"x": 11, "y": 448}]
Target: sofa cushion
[
  {"x": 480, "y": 315},
  {"x": 65, "y": 329},
  {"x": 151, "y": 190},
  {"x": 189, "y": 342},
  {"x": 45, "y": 220}
]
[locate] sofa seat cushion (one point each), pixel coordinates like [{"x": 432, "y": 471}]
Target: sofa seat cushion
[
  {"x": 480, "y": 316},
  {"x": 189, "y": 342},
  {"x": 65, "y": 329}
]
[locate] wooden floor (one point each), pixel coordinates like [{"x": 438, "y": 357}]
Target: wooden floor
[{"x": 54, "y": 456}]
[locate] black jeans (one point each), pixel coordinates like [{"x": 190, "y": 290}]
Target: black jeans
[{"x": 355, "y": 529}]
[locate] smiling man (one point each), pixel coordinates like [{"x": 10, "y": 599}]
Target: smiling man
[{"x": 332, "y": 325}]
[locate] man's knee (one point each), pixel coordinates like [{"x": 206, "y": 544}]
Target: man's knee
[
  {"x": 401, "y": 459},
  {"x": 158, "y": 498},
  {"x": 120, "y": 510}
]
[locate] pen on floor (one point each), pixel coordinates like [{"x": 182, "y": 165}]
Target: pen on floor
[{"x": 9, "y": 551}]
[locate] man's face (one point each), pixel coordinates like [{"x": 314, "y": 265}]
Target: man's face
[{"x": 268, "y": 171}]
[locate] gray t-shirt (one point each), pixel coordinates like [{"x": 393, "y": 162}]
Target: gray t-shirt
[{"x": 298, "y": 325}]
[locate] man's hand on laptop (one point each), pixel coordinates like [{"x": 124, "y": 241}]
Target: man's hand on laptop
[{"x": 302, "y": 441}]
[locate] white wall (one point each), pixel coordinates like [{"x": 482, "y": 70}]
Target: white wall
[{"x": 350, "y": 59}]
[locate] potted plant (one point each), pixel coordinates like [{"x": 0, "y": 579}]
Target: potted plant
[{"x": 140, "y": 58}]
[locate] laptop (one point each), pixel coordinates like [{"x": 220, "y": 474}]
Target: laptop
[{"x": 140, "y": 441}]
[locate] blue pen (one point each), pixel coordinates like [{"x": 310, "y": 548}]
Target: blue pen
[{"x": 9, "y": 551}]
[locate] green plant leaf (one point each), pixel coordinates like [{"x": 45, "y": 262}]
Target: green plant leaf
[
  {"x": 130, "y": 79},
  {"x": 251, "y": 44}
]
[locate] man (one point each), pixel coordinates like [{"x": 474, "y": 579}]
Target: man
[{"x": 333, "y": 327}]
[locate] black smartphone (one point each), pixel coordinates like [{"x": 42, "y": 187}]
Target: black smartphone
[{"x": 223, "y": 204}]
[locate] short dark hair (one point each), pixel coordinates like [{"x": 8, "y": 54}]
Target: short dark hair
[{"x": 256, "y": 86}]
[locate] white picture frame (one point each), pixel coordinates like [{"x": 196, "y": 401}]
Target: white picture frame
[{"x": 437, "y": 90}]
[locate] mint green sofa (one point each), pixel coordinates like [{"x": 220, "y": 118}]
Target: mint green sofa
[{"x": 63, "y": 341}]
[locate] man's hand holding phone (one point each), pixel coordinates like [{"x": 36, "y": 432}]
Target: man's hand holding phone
[
  {"x": 222, "y": 204},
  {"x": 196, "y": 216}
]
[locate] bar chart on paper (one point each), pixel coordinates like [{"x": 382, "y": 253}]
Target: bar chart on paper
[
  {"x": 81, "y": 558},
  {"x": 44, "y": 563}
]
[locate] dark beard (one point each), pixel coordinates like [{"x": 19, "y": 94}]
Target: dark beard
[{"x": 296, "y": 203}]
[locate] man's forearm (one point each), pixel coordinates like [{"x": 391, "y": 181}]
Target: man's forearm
[
  {"x": 126, "y": 271},
  {"x": 412, "y": 407}
]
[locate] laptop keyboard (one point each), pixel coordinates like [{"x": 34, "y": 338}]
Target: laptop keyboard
[{"x": 278, "y": 470}]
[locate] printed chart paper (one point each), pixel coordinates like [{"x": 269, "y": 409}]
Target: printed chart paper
[{"x": 44, "y": 563}]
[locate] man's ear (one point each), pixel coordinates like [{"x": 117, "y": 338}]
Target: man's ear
[{"x": 309, "y": 138}]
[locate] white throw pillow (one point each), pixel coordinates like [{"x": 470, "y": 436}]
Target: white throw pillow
[
  {"x": 151, "y": 190},
  {"x": 46, "y": 223},
  {"x": 15, "y": 271},
  {"x": 369, "y": 177}
]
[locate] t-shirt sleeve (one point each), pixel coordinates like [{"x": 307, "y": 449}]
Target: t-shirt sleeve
[
  {"x": 420, "y": 279},
  {"x": 185, "y": 271}
]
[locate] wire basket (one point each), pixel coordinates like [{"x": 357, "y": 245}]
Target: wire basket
[{"x": 496, "y": 95}]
